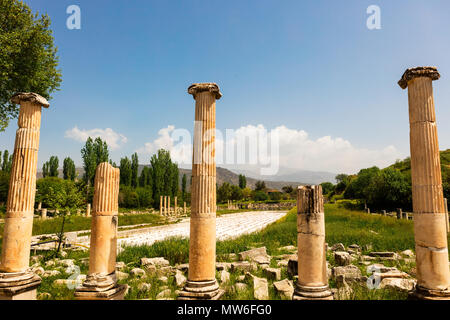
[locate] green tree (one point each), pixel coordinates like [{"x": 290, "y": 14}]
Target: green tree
[
  {"x": 58, "y": 194},
  {"x": 134, "y": 170},
  {"x": 164, "y": 175},
  {"x": 45, "y": 170},
  {"x": 69, "y": 170},
  {"x": 125, "y": 171},
  {"x": 242, "y": 181},
  {"x": 53, "y": 164},
  {"x": 259, "y": 196},
  {"x": 28, "y": 56},
  {"x": 389, "y": 189},
  {"x": 287, "y": 189},
  {"x": 358, "y": 188}
]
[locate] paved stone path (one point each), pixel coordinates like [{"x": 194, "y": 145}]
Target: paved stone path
[{"x": 227, "y": 226}]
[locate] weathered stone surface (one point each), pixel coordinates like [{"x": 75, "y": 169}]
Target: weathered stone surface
[
  {"x": 342, "y": 258},
  {"x": 163, "y": 279},
  {"x": 272, "y": 273},
  {"x": 260, "y": 288},
  {"x": 51, "y": 273},
  {"x": 285, "y": 288},
  {"x": 338, "y": 247},
  {"x": 137, "y": 272},
  {"x": 398, "y": 284},
  {"x": 344, "y": 291},
  {"x": 242, "y": 266},
  {"x": 258, "y": 255},
  {"x": 351, "y": 272},
  {"x": 283, "y": 263},
  {"x": 158, "y": 262},
  {"x": 39, "y": 271},
  {"x": 183, "y": 267},
  {"x": 224, "y": 276}
]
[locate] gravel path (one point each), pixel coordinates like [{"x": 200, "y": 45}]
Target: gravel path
[{"x": 227, "y": 226}]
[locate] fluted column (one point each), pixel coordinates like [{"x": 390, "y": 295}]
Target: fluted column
[
  {"x": 14, "y": 265},
  {"x": 201, "y": 282},
  {"x": 433, "y": 274},
  {"x": 312, "y": 281},
  {"x": 101, "y": 282}
]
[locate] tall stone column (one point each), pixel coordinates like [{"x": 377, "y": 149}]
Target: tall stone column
[
  {"x": 202, "y": 282},
  {"x": 165, "y": 205},
  {"x": 160, "y": 205},
  {"x": 433, "y": 274},
  {"x": 17, "y": 281},
  {"x": 184, "y": 208},
  {"x": 312, "y": 281},
  {"x": 446, "y": 215},
  {"x": 101, "y": 282}
]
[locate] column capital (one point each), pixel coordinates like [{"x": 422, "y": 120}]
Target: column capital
[
  {"x": 410, "y": 74},
  {"x": 196, "y": 88},
  {"x": 34, "y": 98}
]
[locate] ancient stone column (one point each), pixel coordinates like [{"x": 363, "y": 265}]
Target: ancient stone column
[
  {"x": 39, "y": 208},
  {"x": 165, "y": 205},
  {"x": 101, "y": 282},
  {"x": 17, "y": 281},
  {"x": 202, "y": 282},
  {"x": 185, "y": 210},
  {"x": 433, "y": 274},
  {"x": 160, "y": 205},
  {"x": 312, "y": 281},
  {"x": 168, "y": 206},
  {"x": 384, "y": 213},
  {"x": 88, "y": 210},
  {"x": 175, "y": 205},
  {"x": 399, "y": 213}
]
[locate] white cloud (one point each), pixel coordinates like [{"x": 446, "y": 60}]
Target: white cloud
[
  {"x": 284, "y": 147},
  {"x": 113, "y": 139}
]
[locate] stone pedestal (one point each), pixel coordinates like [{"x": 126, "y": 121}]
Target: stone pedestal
[
  {"x": 433, "y": 274},
  {"x": 202, "y": 282},
  {"x": 43, "y": 214},
  {"x": 17, "y": 282},
  {"x": 101, "y": 282},
  {"x": 312, "y": 281}
]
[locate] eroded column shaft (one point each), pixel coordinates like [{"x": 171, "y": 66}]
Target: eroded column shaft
[
  {"x": 103, "y": 247},
  {"x": 428, "y": 200}
]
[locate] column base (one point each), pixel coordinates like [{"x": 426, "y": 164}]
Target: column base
[
  {"x": 312, "y": 293},
  {"x": 201, "y": 290},
  {"x": 100, "y": 287},
  {"x": 19, "y": 285},
  {"x": 421, "y": 293}
]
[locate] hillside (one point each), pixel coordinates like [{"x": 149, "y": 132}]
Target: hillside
[{"x": 405, "y": 165}]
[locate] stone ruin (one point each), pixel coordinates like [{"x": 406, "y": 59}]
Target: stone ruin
[{"x": 430, "y": 216}]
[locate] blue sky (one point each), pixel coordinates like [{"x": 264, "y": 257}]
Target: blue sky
[{"x": 310, "y": 66}]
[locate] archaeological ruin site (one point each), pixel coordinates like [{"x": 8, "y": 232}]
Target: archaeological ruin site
[{"x": 204, "y": 277}]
